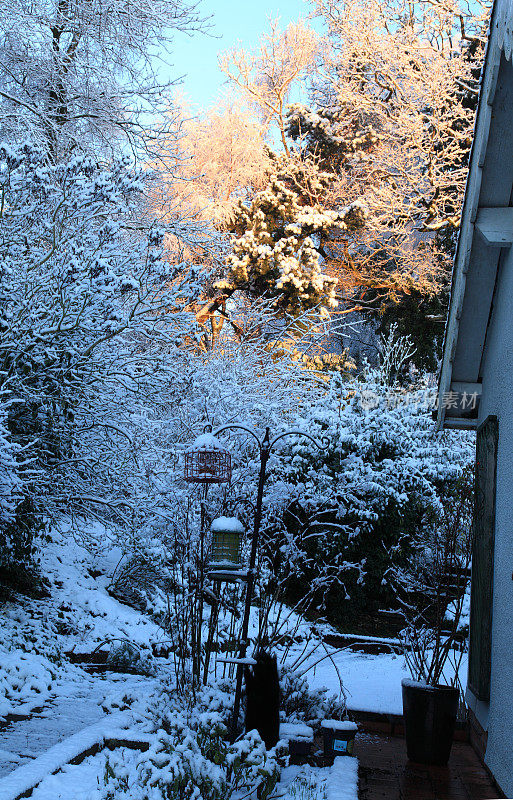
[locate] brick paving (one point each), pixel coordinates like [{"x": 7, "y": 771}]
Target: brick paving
[{"x": 386, "y": 773}]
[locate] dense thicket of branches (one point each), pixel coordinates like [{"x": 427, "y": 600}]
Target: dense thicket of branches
[
  {"x": 265, "y": 213},
  {"x": 90, "y": 305},
  {"x": 86, "y": 74}
]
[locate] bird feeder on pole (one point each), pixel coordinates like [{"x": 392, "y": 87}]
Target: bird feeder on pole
[
  {"x": 207, "y": 461},
  {"x": 227, "y": 535}
]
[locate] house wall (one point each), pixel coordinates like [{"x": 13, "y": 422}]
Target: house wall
[{"x": 497, "y": 398}]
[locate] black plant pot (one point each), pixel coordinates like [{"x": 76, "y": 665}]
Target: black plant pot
[
  {"x": 299, "y": 750},
  {"x": 429, "y": 720},
  {"x": 338, "y": 738}
]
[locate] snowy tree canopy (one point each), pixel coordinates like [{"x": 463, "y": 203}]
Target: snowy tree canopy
[
  {"x": 278, "y": 236},
  {"x": 77, "y": 75}
]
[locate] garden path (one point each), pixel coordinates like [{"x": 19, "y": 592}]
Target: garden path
[{"x": 76, "y": 706}]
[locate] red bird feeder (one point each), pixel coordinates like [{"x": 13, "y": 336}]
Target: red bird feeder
[{"x": 207, "y": 461}]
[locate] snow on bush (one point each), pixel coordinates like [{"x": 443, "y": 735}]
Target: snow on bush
[
  {"x": 354, "y": 511},
  {"x": 191, "y": 757},
  {"x": 30, "y": 658},
  {"x": 124, "y": 656},
  {"x": 26, "y": 682},
  {"x": 300, "y": 703},
  {"x": 341, "y": 522}
]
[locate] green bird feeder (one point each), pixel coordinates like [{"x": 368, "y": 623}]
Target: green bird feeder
[{"x": 226, "y": 552}]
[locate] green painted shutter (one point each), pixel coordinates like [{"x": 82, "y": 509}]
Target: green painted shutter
[{"x": 481, "y": 597}]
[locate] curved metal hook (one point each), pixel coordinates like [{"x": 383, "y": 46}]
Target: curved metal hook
[
  {"x": 322, "y": 446},
  {"x": 245, "y": 499},
  {"x": 236, "y": 426}
]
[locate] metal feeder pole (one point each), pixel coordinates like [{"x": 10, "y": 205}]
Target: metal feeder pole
[
  {"x": 265, "y": 446},
  {"x": 265, "y": 449}
]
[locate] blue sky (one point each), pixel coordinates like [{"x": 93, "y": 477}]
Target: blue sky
[{"x": 233, "y": 22}]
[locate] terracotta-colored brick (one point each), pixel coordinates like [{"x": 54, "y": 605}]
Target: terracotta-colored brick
[{"x": 386, "y": 773}]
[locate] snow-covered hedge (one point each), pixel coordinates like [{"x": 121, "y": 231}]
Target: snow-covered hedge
[{"x": 355, "y": 511}]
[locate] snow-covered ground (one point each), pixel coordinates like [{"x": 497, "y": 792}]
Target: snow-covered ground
[
  {"x": 371, "y": 682},
  {"x": 61, "y": 702},
  {"x": 77, "y": 782},
  {"x": 339, "y": 782}
]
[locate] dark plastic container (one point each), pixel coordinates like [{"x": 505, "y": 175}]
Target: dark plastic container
[
  {"x": 299, "y": 750},
  {"x": 338, "y": 738},
  {"x": 429, "y": 720}
]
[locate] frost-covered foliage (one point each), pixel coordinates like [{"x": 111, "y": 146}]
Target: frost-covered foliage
[
  {"x": 340, "y": 523},
  {"x": 326, "y": 132},
  {"x": 80, "y": 75},
  {"x": 164, "y": 554},
  {"x": 26, "y": 682},
  {"x": 124, "y": 656},
  {"x": 30, "y": 658},
  {"x": 354, "y": 513},
  {"x": 13, "y": 549},
  {"x": 86, "y": 301},
  {"x": 191, "y": 757},
  {"x": 386, "y": 124},
  {"x": 279, "y": 234},
  {"x": 300, "y": 703},
  {"x": 225, "y": 158}
]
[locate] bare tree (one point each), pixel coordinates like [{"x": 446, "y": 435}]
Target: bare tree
[
  {"x": 86, "y": 72},
  {"x": 402, "y": 76},
  {"x": 223, "y": 158},
  {"x": 266, "y": 75}
]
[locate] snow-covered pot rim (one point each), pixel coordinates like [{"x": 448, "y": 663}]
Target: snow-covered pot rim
[
  {"x": 409, "y": 683},
  {"x": 207, "y": 442},
  {"x": 339, "y": 725},
  {"x": 296, "y": 730},
  {"x": 227, "y": 525}
]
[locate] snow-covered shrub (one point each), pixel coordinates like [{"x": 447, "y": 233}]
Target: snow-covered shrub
[
  {"x": 26, "y": 682},
  {"x": 300, "y": 703},
  {"x": 31, "y": 630},
  {"x": 191, "y": 758},
  {"x": 124, "y": 656},
  {"x": 353, "y": 513},
  {"x": 340, "y": 523}
]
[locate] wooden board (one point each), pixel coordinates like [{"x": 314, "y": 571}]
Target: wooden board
[
  {"x": 481, "y": 597},
  {"x": 496, "y": 226}
]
